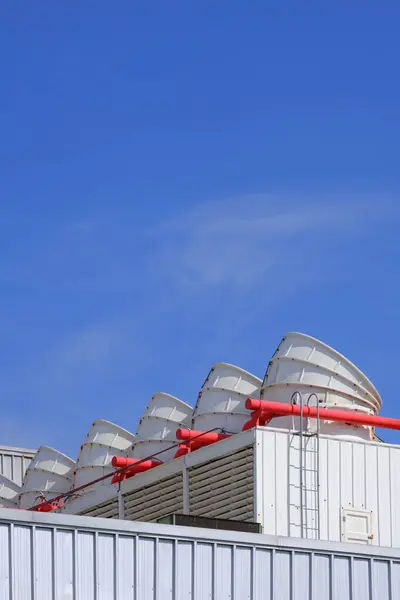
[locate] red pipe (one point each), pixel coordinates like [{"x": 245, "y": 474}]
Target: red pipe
[
  {"x": 123, "y": 461},
  {"x": 200, "y": 437},
  {"x": 264, "y": 411},
  {"x": 136, "y": 468},
  {"x": 193, "y": 440}
]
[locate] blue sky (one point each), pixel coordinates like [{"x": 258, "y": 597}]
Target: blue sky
[{"x": 183, "y": 184}]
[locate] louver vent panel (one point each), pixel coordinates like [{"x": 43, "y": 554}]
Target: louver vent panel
[
  {"x": 154, "y": 501},
  {"x": 223, "y": 487},
  {"x": 106, "y": 510}
]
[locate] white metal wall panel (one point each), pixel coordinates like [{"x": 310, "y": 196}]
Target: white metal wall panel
[
  {"x": 4, "y": 562},
  {"x": 14, "y": 462},
  {"x": 70, "y": 558},
  {"x": 85, "y": 565},
  {"x": 353, "y": 475},
  {"x": 64, "y": 553},
  {"x": 43, "y": 576},
  {"x": 166, "y": 558},
  {"x": 126, "y": 567},
  {"x": 22, "y": 563},
  {"x": 203, "y": 582}
]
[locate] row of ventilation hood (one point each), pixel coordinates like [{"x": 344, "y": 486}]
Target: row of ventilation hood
[{"x": 301, "y": 369}]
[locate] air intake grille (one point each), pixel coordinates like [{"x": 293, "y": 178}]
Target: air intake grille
[
  {"x": 106, "y": 510},
  {"x": 156, "y": 500},
  {"x": 223, "y": 487}
]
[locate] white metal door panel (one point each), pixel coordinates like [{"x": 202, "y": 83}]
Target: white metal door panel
[{"x": 356, "y": 526}]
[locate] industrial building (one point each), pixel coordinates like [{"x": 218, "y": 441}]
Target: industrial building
[{"x": 267, "y": 488}]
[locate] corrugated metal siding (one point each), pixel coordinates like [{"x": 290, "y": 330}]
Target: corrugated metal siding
[
  {"x": 354, "y": 475},
  {"x": 223, "y": 487},
  {"x": 72, "y": 558},
  {"x": 14, "y": 462}
]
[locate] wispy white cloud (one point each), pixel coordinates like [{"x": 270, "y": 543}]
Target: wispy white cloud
[{"x": 240, "y": 242}]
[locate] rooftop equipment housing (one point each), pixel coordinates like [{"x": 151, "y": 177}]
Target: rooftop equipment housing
[{"x": 313, "y": 473}]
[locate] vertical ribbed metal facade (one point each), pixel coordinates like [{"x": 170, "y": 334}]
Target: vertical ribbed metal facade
[
  {"x": 55, "y": 557},
  {"x": 14, "y": 462}
]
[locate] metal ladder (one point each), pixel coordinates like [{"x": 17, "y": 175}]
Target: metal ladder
[{"x": 304, "y": 476}]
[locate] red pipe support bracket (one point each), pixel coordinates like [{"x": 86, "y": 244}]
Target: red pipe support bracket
[
  {"x": 266, "y": 410},
  {"x": 183, "y": 449}
]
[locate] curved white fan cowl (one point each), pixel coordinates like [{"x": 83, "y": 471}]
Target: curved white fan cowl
[
  {"x": 9, "y": 493},
  {"x": 221, "y": 401},
  {"x": 306, "y": 348},
  {"x": 48, "y": 475},
  {"x": 168, "y": 407},
  {"x": 103, "y": 441},
  {"x": 157, "y": 428},
  {"x": 286, "y": 370},
  {"x": 229, "y": 377}
]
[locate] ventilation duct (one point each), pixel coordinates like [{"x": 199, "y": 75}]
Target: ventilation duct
[
  {"x": 157, "y": 427},
  {"x": 48, "y": 475},
  {"x": 9, "y": 492},
  {"x": 103, "y": 441},
  {"x": 306, "y": 348},
  {"x": 221, "y": 400},
  {"x": 305, "y": 370}
]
